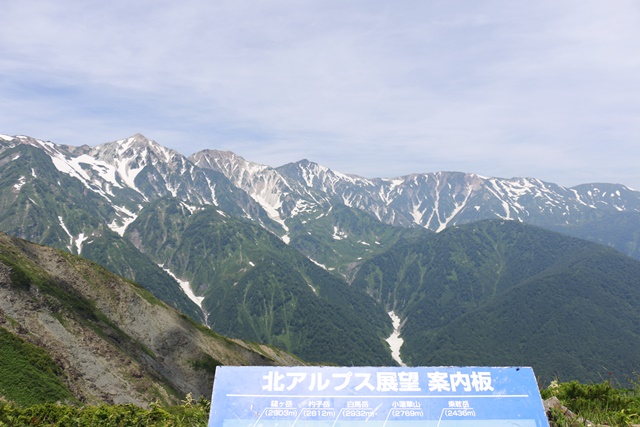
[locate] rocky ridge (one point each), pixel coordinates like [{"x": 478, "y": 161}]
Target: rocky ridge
[{"x": 115, "y": 342}]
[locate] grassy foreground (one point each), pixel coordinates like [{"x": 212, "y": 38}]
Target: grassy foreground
[
  {"x": 602, "y": 404},
  {"x": 190, "y": 413},
  {"x": 28, "y": 376}
]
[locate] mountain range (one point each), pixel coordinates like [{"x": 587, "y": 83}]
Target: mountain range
[{"x": 312, "y": 260}]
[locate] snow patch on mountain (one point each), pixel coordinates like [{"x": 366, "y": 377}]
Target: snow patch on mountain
[
  {"x": 128, "y": 174},
  {"x": 193, "y": 209},
  {"x": 394, "y": 340},
  {"x": 454, "y": 213},
  {"x": 271, "y": 210},
  {"x": 434, "y": 213},
  {"x": 417, "y": 214},
  {"x": 395, "y": 182},
  {"x": 21, "y": 181},
  {"x": 187, "y": 289},
  {"x": 79, "y": 242},
  {"x": 495, "y": 190},
  {"x": 66, "y": 230},
  {"x": 320, "y": 265},
  {"x": 212, "y": 188},
  {"x": 315, "y": 291},
  {"x": 71, "y": 167},
  {"x": 120, "y": 224},
  {"x": 303, "y": 206},
  {"x": 338, "y": 234}
]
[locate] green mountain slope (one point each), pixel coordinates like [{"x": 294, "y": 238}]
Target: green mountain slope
[
  {"x": 46, "y": 196},
  {"x": 121, "y": 257},
  {"x": 28, "y": 375},
  {"x": 576, "y": 320},
  {"x": 33, "y": 207},
  {"x": 75, "y": 331},
  {"x": 341, "y": 238},
  {"x": 620, "y": 230},
  {"x": 503, "y": 293},
  {"x": 258, "y": 288}
]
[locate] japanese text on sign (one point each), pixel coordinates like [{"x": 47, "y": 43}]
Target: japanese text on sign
[{"x": 381, "y": 381}]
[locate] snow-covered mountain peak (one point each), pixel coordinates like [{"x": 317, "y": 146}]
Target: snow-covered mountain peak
[
  {"x": 316, "y": 176},
  {"x": 228, "y": 163},
  {"x": 434, "y": 200},
  {"x": 131, "y": 155},
  {"x": 134, "y": 148},
  {"x": 47, "y": 146},
  {"x": 311, "y": 168}
]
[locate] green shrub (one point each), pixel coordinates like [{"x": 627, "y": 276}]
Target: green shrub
[
  {"x": 601, "y": 403},
  {"x": 28, "y": 375},
  {"x": 189, "y": 414}
]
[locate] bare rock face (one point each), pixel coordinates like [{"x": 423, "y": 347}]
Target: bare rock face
[{"x": 115, "y": 342}]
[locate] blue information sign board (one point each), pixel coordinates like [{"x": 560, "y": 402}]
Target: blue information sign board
[{"x": 258, "y": 396}]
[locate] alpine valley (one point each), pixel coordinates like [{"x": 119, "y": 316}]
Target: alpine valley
[{"x": 480, "y": 271}]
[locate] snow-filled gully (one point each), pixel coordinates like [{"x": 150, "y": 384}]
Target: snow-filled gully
[{"x": 394, "y": 340}]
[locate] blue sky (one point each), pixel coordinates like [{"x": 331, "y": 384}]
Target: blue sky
[{"x": 547, "y": 89}]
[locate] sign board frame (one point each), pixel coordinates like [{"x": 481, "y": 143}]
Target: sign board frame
[{"x": 306, "y": 396}]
